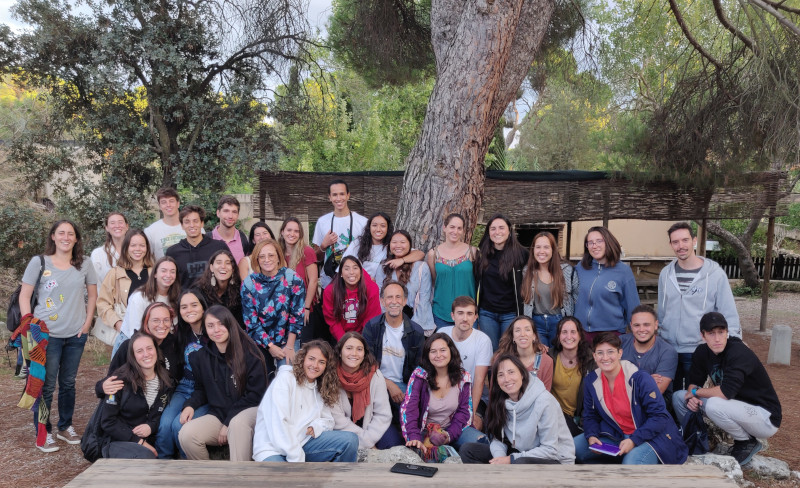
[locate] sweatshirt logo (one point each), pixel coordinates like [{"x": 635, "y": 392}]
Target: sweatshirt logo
[{"x": 611, "y": 285}]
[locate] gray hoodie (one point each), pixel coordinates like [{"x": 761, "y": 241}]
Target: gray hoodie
[
  {"x": 535, "y": 426},
  {"x": 679, "y": 314}
]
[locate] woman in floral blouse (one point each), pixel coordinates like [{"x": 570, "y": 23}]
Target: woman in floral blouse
[{"x": 273, "y": 297}]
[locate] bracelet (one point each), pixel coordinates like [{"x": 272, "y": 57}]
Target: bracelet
[
  {"x": 307, "y": 308},
  {"x": 694, "y": 391}
]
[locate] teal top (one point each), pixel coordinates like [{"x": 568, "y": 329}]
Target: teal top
[{"x": 454, "y": 278}]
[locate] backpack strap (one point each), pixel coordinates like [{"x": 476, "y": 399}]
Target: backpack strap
[{"x": 35, "y": 295}]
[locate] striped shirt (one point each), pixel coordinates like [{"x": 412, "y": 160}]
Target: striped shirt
[{"x": 685, "y": 277}]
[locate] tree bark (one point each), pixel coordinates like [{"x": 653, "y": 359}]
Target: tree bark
[
  {"x": 749, "y": 273},
  {"x": 483, "y": 50}
]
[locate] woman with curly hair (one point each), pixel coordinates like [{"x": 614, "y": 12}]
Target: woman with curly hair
[
  {"x": 229, "y": 376},
  {"x": 220, "y": 284},
  {"x": 294, "y": 421}
]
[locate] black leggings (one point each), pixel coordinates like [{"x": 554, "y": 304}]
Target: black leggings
[{"x": 477, "y": 453}]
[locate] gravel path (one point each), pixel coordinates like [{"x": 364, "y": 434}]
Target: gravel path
[{"x": 783, "y": 309}]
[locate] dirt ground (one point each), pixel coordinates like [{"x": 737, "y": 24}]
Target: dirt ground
[{"x": 25, "y": 466}]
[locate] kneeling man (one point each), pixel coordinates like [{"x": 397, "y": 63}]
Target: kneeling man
[{"x": 742, "y": 401}]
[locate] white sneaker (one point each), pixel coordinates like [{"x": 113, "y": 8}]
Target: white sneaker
[
  {"x": 49, "y": 444},
  {"x": 69, "y": 435}
]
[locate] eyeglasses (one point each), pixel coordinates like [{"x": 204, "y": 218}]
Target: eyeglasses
[
  {"x": 597, "y": 243},
  {"x": 609, "y": 353},
  {"x": 160, "y": 321}
]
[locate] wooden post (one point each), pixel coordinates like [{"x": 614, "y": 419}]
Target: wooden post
[
  {"x": 762, "y": 326},
  {"x": 569, "y": 239},
  {"x": 702, "y": 238}
]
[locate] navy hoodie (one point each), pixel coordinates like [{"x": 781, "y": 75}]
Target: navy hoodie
[{"x": 193, "y": 260}]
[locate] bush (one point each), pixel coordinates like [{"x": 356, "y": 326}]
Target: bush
[{"x": 24, "y": 228}]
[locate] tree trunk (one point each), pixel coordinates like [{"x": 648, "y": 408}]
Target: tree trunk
[
  {"x": 749, "y": 272},
  {"x": 483, "y": 50}
]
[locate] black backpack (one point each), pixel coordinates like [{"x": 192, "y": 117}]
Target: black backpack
[
  {"x": 695, "y": 433},
  {"x": 13, "y": 314},
  {"x": 92, "y": 440}
]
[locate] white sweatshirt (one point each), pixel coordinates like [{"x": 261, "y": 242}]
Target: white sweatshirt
[{"x": 285, "y": 414}]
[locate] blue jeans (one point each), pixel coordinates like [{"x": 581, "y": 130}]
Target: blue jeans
[
  {"x": 684, "y": 365},
  {"x": 118, "y": 342},
  {"x": 470, "y": 434},
  {"x": 494, "y": 324},
  {"x": 441, "y": 323},
  {"x": 335, "y": 446},
  {"x": 641, "y": 454},
  {"x": 546, "y": 328},
  {"x": 170, "y": 424},
  {"x": 63, "y": 358}
]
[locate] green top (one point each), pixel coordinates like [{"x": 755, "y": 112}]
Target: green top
[{"x": 454, "y": 278}]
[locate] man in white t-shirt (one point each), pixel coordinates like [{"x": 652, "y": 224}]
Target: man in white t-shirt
[
  {"x": 474, "y": 346},
  {"x": 336, "y": 230},
  {"x": 168, "y": 231}
]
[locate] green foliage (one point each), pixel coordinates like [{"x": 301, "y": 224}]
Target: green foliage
[
  {"x": 334, "y": 121},
  {"x": 742, "y": 290},
  {"x": 24, "y": 226},
  {"x": 387, "y": 41},
  {"x": 793, "y": 219},
  {"x": 573, "y": 124},
  {"x": 150, "y": 94}
]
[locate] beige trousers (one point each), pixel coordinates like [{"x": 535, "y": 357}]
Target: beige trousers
[{"x": 204, "y": 431}]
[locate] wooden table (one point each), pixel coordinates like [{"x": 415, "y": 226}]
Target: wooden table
[{"x": 119, "y": 473}]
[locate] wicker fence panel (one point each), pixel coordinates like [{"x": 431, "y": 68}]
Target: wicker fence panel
[{"x": 529, "y": 197}]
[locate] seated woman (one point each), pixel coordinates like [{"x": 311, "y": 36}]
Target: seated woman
[
  {"x": 351, "y": 299},
  {"x": 363, "y": 407},
  {"x": 157, "y": 322},
  {"x": 190, "y": 339},
  {"x": 131, "y": 272},
  {"x": 437, "y": 409},
  {"x": 130, "y": 417},
  {"x": 161, "y": 286},
  {"x": 230, "y": 377},
  {"x": 273, "y": 300},
  {"x": 414, "y": 274},
  {"x": 220, "y": 284},
  {"x": 522, "y": 340},
  {"x": 294, "y": 420},
  {"x": 523, "y": 420},
  {"x": 572, "y": 361},
  {"x": 623, "y": 406}
]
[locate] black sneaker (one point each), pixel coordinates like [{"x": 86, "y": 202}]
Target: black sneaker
[{"x": 743, "y": 451}]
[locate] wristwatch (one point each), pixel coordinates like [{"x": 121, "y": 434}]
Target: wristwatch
[{"x": 694, "y": 391}]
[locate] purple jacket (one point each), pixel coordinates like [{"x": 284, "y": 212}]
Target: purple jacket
[{"x": 414, "y": 411}]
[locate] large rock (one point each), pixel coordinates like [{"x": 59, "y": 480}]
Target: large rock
[
  {"x": 397, "y": 454},
  {"x": 727, "y": 464},
  {"x": 767, "y": 467}
]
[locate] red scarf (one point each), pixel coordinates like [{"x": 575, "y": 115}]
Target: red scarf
[{"x": 357, "y": 384}]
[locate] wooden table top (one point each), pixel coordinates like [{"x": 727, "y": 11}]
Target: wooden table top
[{"x": 119, "y": 473}]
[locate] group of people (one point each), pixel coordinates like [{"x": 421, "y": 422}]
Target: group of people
[{"x": 285, "y": 350}]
